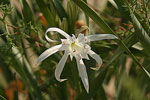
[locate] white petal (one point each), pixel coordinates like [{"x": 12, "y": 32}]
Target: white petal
[
  {"x": 71, "y": 56},
  {"x": 84, "y": 56},
  {"x": 83, "y": 73},
  {"x": 97, "y": 58},
  {"x": 65, "y": 44},
  {"x": 48, "y": 52},
  {"x": 73, "y": 37},
  {"x": 60, "y": 67},
  {"x": 56, "y": 30},
  {"x": 97, "y": 37},
  {"x": 80, "y": 37}
]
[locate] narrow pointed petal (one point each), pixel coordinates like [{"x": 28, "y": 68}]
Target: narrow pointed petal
[
  {"x": 71, "y": 56},
  {"x": 80, "y": 37},
  {"x": 56, "y": 30},
  {"x": 73, "y": 37},
  {"x": 86, "y": 57},
  {"x": 97, "y": 58},
  {"x": 97, "y": 37},
  {"x": 48, "y": 53},
  {"x": 60, "y": 67},
  {"x": 83, "y": 73}
]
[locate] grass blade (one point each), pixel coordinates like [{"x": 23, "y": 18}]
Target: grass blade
[
  {"x": 27, "y": 12},
  {"x": 2, "y": 98},
  {"x": 61, "y": 11},
  {"x": 98, "y": 20},
  {"x": 46, "y": 12},
  {"x": 93, "y": 16},
  {"x": 141, "y": 34},
  {"x": 129, "y": 41}
]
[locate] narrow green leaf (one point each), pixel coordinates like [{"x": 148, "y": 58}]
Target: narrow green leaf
[
  {"x": 27, "y": 12},
  {"x": 95, "y": 85},
  {"x": 92, "y": 14},
  {"x": 139, "y": 30},
  {"x": 86, "y": 17},
  {"x": 141, "y": 34},
  {"x": 20, "y": 65},
  {"x": 72, "y": 11},
  {"x": 113, "y": 3},
  {"x": 133, "y": 90},
  {"x": 2, "y": 98},
  {"x": 143, "y": 23},
  {"x": 122, "y": 9},
  {"x": 106, "y": 28},
  {"x": 61, "y": 11},
  {"x": 46, "y": 12}
]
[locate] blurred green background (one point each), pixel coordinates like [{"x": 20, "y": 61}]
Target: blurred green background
[{"x": 124, "y": 74}]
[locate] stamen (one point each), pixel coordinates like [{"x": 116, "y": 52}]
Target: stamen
[{"x": 74, "y": 50}]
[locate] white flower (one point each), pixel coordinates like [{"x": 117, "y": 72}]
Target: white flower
[{"x": 74, "y": 47}]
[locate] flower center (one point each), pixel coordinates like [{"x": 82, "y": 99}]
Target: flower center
[
  {"x": 76, "y": 47},
  {"x": 73, "y": 45}
]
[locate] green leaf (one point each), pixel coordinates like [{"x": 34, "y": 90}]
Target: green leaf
[
  {"x": 2, "y": 98},
  {"x": 107, "y": 29},
  {"x": 141, "y": 34},
  {"x": 96, "y": 84},
  {"x": 61, "y": 11},
  {"x": 86, "y": 17},
  {"x": 92, "y": 14},
  {"x": 139, "y": 30},
  {"x": 132, "y": 88},
  {"x": 72, "y": 11},
  {"x": 143, "y": 23},
  {"x": 123, "y": 9},
  {"x": 21, "y": 67},
  {"x": 46, "y": 12},
  {"x": 97, "y": 19},
  {"x": 20, "y": 64},
  {"x": 27, "y": 12}
]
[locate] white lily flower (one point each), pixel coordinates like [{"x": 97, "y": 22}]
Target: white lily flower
[{"x": 74, "y": 47}]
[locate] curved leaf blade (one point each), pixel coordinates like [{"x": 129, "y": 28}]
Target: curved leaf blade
[
  {"x": 27, "y": 12},
  {"x": 61, "y": 11},
  {"x": 141, "y": 34},
  {"x": 47, "y": 14}
]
